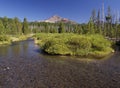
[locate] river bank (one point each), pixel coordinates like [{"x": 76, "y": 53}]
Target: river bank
[{"x": 8, "y": 39}]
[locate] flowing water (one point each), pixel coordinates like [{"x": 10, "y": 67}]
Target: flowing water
[{"x": 22, "y": 65}]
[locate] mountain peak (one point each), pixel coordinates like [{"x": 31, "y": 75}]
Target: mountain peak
[
  {"x": 53, "y": 19},
  {"x": 56, "y": 19}
]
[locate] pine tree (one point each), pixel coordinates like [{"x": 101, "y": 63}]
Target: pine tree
[
  {"x": 99, "y": 23},
  {"x": 109, "y": 21},
  {"x": 93, "y": 17},
  {"x": 46, "y": 28},
  {"x": 61, "y": 28},
  {"x": 91, "y": 26},
  {"x": 12, "y": 26},
  {"x": 5, "y": 23},
  {"x": 18, "y": 25},
  {"x": 25, "y": 28},
  {"x": 1, "y": 28},
  {"x": 92, "y": 22}
]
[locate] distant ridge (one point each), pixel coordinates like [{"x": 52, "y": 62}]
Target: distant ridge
[{"x": 57, "y": 19}]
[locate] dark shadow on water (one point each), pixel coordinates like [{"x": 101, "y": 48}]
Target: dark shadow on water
[
  {"x": 39, "y": 51},
  {"x": 42, "y": 52}
]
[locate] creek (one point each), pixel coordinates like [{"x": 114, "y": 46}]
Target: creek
[{"x": 22, "y": 65}]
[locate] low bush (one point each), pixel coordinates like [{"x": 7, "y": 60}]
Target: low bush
[
  {"x": 79, "y": 45},
  {"x": 4, "y": 38},
  {"x": 99, "y": 43}
]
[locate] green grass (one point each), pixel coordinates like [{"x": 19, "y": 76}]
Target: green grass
[
  {"x": 8, "y": 39},
  {"x": 18, "y": 38},
  {"x": 74, "y": 44}
]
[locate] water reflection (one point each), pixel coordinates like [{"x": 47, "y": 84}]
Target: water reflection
[
  {"x": 24, "y": 48},
  {"x": 4, "y": 51},
  {"x": 15, "y": 50}
]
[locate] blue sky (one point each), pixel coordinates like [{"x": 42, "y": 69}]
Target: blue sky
[{"x": 77, "y": 10}]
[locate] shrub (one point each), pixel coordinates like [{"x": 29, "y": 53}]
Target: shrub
[
  {"x": 79, "y": 45},
  {"x": 99, "y": 43},
  {"x": 4, "y": 38},
  {"x": 58, "y": 49}
]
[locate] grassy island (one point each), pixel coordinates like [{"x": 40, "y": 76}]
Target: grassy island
[{"x": 74, "y": 44}]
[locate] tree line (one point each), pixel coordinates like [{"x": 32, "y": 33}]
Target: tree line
[{"x": 13, "y": 26}]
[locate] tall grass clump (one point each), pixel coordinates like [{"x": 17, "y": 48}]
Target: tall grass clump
[{"x": 79, "y": 45}]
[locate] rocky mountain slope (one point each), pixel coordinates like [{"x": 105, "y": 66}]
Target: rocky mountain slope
[{"x": 57, "y": 19}]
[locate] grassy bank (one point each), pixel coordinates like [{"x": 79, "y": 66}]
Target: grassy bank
[
  {"x": 73, "y": 44},
  {"x": 19, "y": 37},
  {"x": 8, "y": 39},
  {"x": 5, "y": 40}
]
